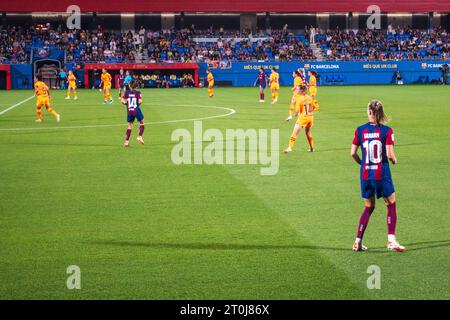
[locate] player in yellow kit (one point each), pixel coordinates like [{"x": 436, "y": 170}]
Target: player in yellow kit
[
  {"x": 274, "y": 81},
  {"x": 313, "y": 88},
  {"x": 210, "y": 79},
  {"x": 106, "y": 82},
  {"x": 305, "y": 111},
  {"x": 298, "y": 81},
  {"x": 42, "y": 93},
  {"x": 72, "y": 86}
]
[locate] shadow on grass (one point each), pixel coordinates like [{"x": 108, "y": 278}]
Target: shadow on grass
[
  {"x": 234, "y": 246},
  {"x": 415, "y": 246},
  {"x": 210, "y": 246}
]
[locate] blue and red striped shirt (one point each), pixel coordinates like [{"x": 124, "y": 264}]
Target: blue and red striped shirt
[{"x": 373, "y": 140}]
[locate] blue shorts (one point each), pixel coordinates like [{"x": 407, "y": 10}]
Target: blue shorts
[
  {"x": 136, "y": 114},
  {"x": 379, "y": 188},
  {"x": 262, "y": 86}
]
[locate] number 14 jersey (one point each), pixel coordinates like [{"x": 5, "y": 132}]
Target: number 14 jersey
[{"x": 373, "y": 140}]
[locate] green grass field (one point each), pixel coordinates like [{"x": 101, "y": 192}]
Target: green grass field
[{"x": 141, "y": 227}]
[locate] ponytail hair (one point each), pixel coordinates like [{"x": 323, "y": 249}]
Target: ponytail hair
[{"x": 378, "y": 112}]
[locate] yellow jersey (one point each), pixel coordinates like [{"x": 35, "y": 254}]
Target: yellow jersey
[
  {"x": 106, "y": 78},
  {"x": 274, "y": 78},
  {"x": 41, "y": 89},
  {"x": 71, "y": 78},
  {"x": 304, "y": 106},
  {"x": 312, "y": 81},
  {"x": 210, "y": 77},
  {"x": 298, "y": 81}
]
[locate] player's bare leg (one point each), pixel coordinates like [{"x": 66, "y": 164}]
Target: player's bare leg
[
  {"x": 210, "y": 91},
  {"x": 310, "y": 139},
  {"x": 141, "y": 132},
  {"x": 128, "y": 134},
  {"x": 105, "y": 96},
  {"x": 294, "y": 135},
  {"x": 54, "y": 113},
  {"x": 39, "y": 113},
  {"x": 291, "y": 109},
  {"x": 392, "y": 243},
  {"x": 261, "y": 94},
  {"x": 369, "y": 207},
  {"x": 315, "y": 103}
]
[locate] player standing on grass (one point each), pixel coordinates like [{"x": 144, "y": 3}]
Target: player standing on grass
[
  {"x": 125, "y": 82},
  {"x": 313, "y": 88},
  {"x": 210, "y": 79},
  {"x": 274, "y": 85},
  {"x": 132, "y": 99},
  {"x": 121, "y": 81},
  {"x": 106, "y": 85},
  {"x": 263, "y": 81},
  {"x": 377, "y": 144},
  {"x": 305, "y": 111},
  {"x": 43, "y": 99},
  {"x": 297, "y": 82},
  {"x": 72, "y": 85}
]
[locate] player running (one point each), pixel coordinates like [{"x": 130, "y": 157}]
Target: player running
[
  {"x": 377, "y": 144},
  {"x": 72, "y": 85},
  {"x": 305, "y": 111},
  {"x": 274, "y": 81},
  {"x": 263, "y": 81},
  {"x": 210, "y": 79},
  {"x": 313, "y": 88},
  {"x": 105, "y": 83},
  {"x": 133, "y": 100},
  {"x": 298, "y": 81},
  {"x": 43, "y": 99}
]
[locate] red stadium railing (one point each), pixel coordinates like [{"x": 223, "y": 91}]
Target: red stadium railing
[{"x": 7, "y": 68}]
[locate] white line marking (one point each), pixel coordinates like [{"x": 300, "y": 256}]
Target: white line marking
[
  {"x": 229, "y": 113},
  {"x": 16, "y": 105}
]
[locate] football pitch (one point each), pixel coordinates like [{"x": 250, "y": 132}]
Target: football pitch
[{"x": 141, "y": 227}]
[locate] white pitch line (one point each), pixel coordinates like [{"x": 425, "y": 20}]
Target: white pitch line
[
  {"x": 229, "y": 113},
  {"x": 16, "y": 105}
]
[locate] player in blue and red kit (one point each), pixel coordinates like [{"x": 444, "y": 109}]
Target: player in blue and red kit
[
  {"x": 133, "y": 100},
  {"x": 263, "y": 81},
  {"x": 377, "y": 144}
]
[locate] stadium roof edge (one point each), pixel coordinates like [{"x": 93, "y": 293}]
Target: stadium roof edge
[{"x": 300, "y": 6}]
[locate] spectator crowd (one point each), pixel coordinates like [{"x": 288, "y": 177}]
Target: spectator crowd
[
  {"x": 393, "y": 44},
  {"x": 18, "y": 44}
]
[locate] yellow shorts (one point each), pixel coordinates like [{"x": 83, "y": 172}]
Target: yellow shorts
[
  {"x": 210, "y": 84},
  {"x": 72, "y": 85},
  {"x": 305, "y": 121},
  {"x": 106, "y": 86},
  {"x": 42, "y": 102},
  {"x": 313, "y": 91},
  {"x": 275, "y": 86}
]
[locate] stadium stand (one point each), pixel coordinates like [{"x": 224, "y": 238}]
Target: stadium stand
[{"x": 22, "y": 45}]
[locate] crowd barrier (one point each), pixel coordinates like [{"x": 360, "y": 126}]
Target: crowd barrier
[{"x": 332, "y": 73}]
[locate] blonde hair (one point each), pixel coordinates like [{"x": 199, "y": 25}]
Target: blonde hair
[{"x": 378, "y": 112}]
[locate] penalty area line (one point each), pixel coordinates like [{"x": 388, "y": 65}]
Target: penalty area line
[{"x": 16, "y": 105}]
